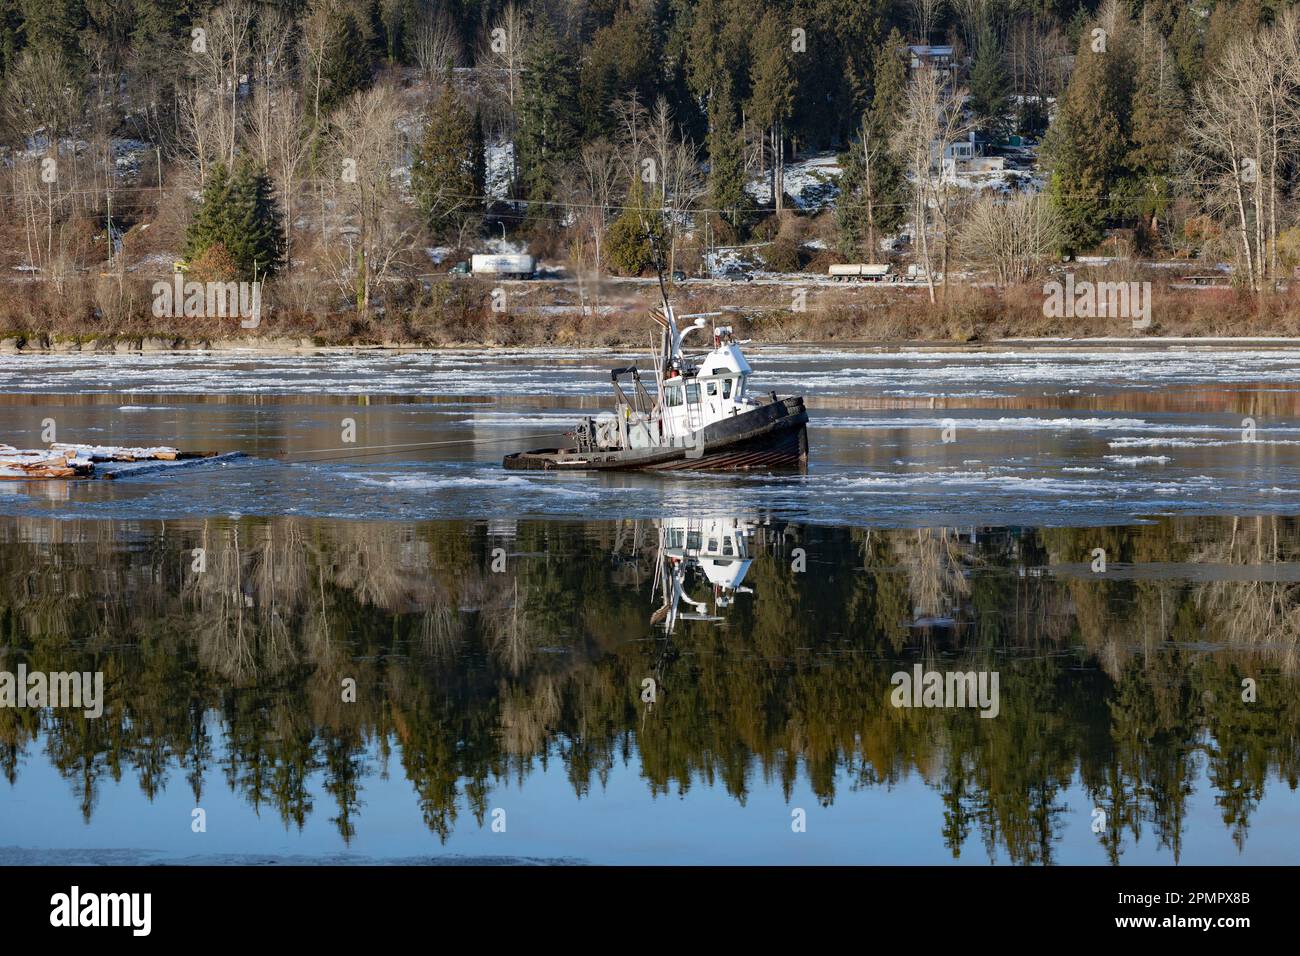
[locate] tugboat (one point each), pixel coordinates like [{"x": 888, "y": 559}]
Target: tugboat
[{"x": 699, "y": 416}]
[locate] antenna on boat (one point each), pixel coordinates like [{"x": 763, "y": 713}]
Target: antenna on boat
[{"x": 659, "y": 267}]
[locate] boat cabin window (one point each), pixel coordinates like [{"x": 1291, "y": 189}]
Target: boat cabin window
[
  {"x": 693, "y": 540},
  {"x": 673, "y": 393},
  {"x": 693, "y": 393},
  {"x": 726, "y": 388},
  {"x": 712, "y": 388}
]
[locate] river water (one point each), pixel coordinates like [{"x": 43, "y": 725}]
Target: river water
[{"x": 1112, "y": 532}]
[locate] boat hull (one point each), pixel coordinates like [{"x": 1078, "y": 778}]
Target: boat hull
[{"x": 771, "y": 437}]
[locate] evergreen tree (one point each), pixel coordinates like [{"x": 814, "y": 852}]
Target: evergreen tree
[
  {"x": 53, "y": 26},
  {"x": 396, "y": 17},
  {"x": 1159, "y": 108},
  {"x": 873, "y": 192},
  {"x": 208, "y": 227},
  {"x": 346, "y": 64},
  {"x": 621, "y": 60},
  {"x": 842, "y": 65},
  {"x": 873, "y": 189},
  {"x": 548, "y": 135},
  {"x": 1188, "y": 45},
  {"x": 726, "y": 185},
  {"x": 890, "y": 80},
  {"x": 1032, "y": 119},
  {"x": 716, "y": 50},
  {"x": 1087, "y": 145},
  {"x": 990, "y": 85},
  {"x": 447, "y": 175},
  {"x": 238, "y": 210},
  {"x": 11, "y": 27},
  {"x": 772, "y": 88},
  {"x": 629, "y": 241},
  {"x": 158, "y": 30}
]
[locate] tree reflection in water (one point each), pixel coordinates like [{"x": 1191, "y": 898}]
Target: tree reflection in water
[{"x": 772, "y": 647}]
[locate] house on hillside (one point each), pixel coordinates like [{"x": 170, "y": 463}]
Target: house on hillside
[
  {"x": 939, "y": 57},
  {"x": 965, "y": 156}
]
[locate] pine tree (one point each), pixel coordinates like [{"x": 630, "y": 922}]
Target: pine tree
[
  {"x": 547, "y": 133},
  {"x": 53, "y": 25},
  {"x": 158, "y": 30},
  {"x": 395, "y": 16},
  {"x": 1188, "y": 45},
  {"x": 716, "y": 51},
  {"x": 447, "y": 176},
  {"x": 890, "y": 82},
  {"x": 873, "y": 192},
  {"x": 238, "y": 211},
  {"x": 207, "y": 228}
]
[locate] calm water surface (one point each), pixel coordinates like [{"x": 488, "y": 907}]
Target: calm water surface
[{"x": 500, "y": 627}]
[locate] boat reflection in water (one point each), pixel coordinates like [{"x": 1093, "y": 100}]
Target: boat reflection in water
[{"x": 700, "y": 553}]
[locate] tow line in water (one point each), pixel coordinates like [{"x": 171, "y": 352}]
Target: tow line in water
[{"x": 368, "y": 451}]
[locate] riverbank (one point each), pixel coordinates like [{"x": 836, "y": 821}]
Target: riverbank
[
  {"x": 275, "y": 346},
  {"x": 614, "y": 315}
]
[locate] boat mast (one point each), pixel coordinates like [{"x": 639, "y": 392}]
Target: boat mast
[{"x": 672, "y": 339}]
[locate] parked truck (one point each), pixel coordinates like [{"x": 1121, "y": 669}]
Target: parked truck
[
  {"x": 861, "y": 272},
  {"x": 504, "y": 265}
]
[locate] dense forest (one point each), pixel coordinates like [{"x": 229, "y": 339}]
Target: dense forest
[{"x": 349, "y": 149}]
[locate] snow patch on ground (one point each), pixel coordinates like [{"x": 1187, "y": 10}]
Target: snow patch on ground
[
  {"x": 498, "y": 162},
  {"x": 811, "y": 183}
]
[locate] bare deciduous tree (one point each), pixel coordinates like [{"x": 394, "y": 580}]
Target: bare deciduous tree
[
  {"x": 279, "y": 133},
  {"x": 924, "y": 15},
  {"x": 501, "y": 71},
  {"x": 366, "y": 146},
  {"x": 209, "y": 102},
  {"x": 1013, "y": 237},
  {"x": 930, "y": 122},
  {"x": 1037, "y": 57},
  {"x": 317, "y": 31},
  {"x": 1242, "y": 140},
  {"x": 435, "y": 43},
  {"x": 600, "y": 167},
  {"x": 43, "y": 104}
]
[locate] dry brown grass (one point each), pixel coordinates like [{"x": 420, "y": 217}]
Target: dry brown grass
[{"x": 103, "y": 311}]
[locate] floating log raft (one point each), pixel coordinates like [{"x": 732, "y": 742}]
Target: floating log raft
[{"x": 66, "y": 461}]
